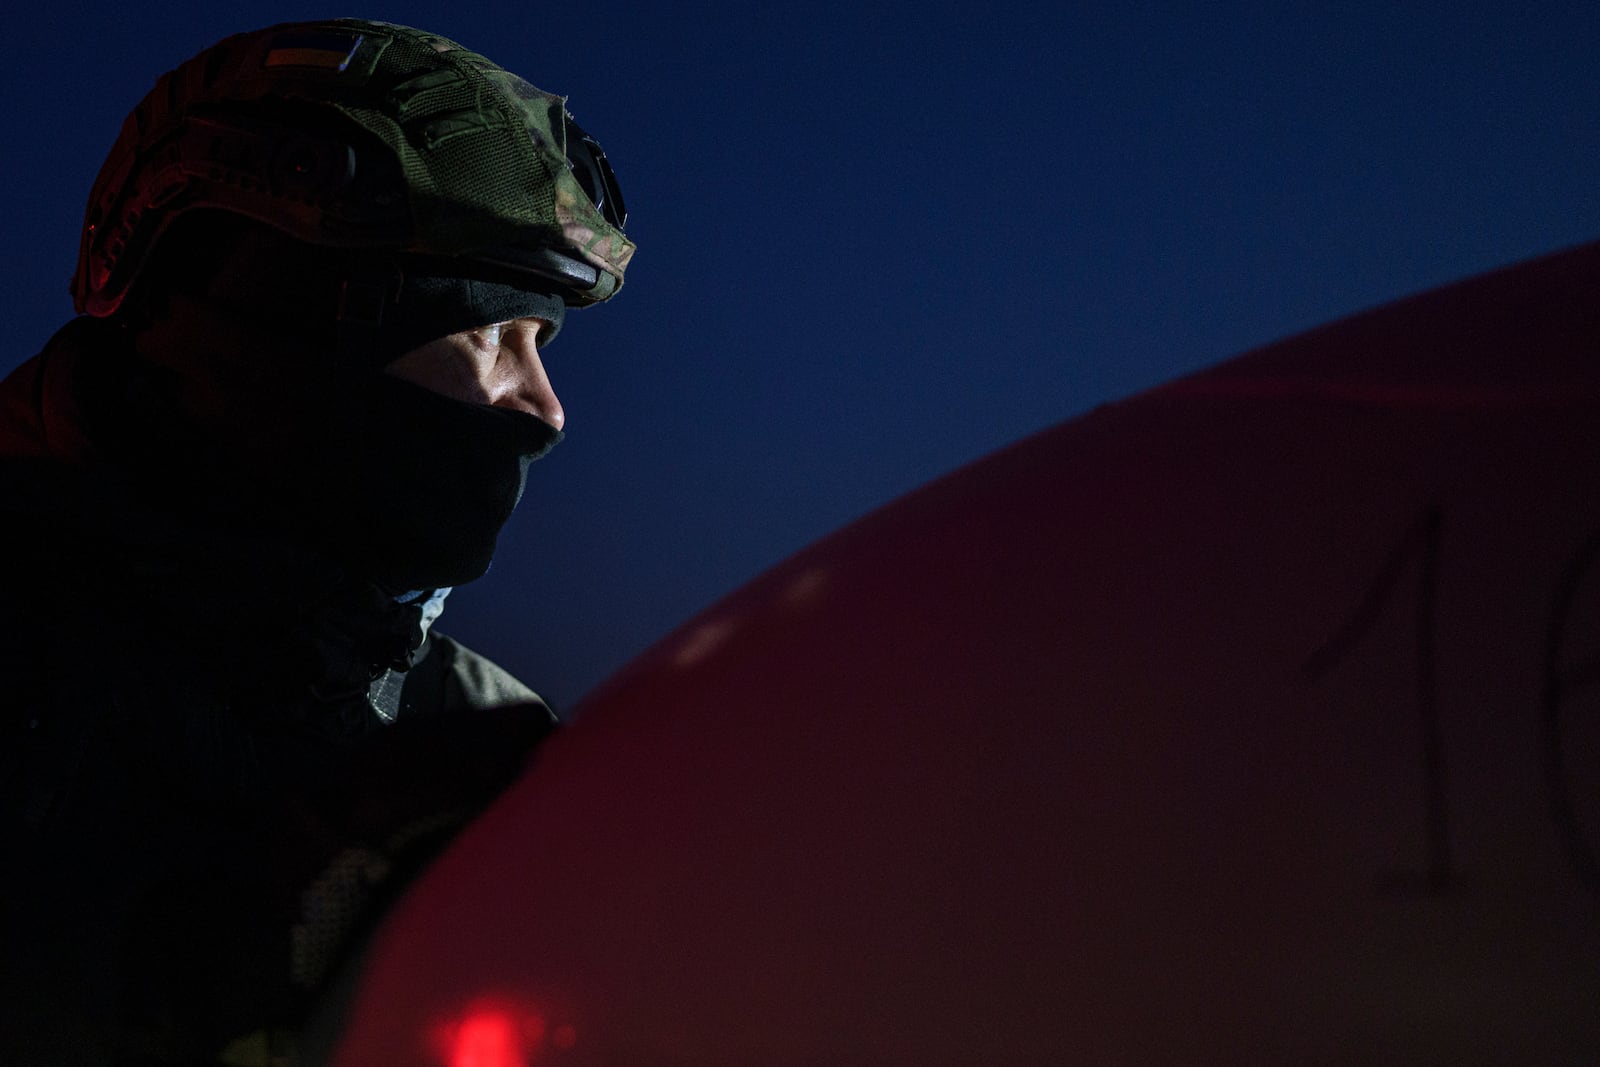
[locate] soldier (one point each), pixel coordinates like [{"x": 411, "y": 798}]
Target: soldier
[{"x": 297, "y": 405}]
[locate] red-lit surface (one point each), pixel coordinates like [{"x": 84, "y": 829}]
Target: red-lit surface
[
  {"x": 1252, "y": 720},
  {"x": 488, "y": 1039},
  {"x": 495, "y": 1032}
]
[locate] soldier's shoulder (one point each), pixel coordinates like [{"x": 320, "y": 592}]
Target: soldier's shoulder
[{"x": 475, "y": 681}]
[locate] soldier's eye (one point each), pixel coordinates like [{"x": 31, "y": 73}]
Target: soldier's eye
[{"x": 489, "y": 336}]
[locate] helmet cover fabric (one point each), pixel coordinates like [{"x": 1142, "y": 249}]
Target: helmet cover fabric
[{"x": 351, "y": 134}]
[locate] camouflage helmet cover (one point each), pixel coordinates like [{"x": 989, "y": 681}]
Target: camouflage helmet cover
[{"x": 361, "y": 135}]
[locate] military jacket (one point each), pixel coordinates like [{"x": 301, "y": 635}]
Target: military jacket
[{"x": 219, "y": 755}]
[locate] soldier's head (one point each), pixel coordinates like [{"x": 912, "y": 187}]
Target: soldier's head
[{"x": 301, "y": 225}]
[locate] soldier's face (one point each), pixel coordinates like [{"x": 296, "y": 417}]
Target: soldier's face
[{"x": 497, "y": 365}]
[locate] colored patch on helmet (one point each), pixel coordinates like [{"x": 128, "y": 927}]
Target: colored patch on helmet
[{"x": 325, "y": 51}]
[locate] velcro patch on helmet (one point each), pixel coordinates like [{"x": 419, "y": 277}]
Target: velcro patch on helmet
[{"x": 324, "y": 51}]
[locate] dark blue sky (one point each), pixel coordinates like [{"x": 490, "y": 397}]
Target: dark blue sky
[{"x": 880, "y": 240}]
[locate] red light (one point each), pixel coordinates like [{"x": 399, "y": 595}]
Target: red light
[
  {"x": 495, "y": 1037},
  {"x": 498, "y": 1031},
  {"x": 487, "y": 1039}
]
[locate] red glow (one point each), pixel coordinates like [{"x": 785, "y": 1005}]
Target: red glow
[
  {"x": 487, "y": 1039},
  {"x": 494, "y": 1036}
]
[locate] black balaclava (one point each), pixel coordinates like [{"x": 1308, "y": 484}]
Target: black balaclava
[
  {"x": 404, "y": 486},
  {"x": 425, "y": 303},
  {"x": 426, "y": 481},
  {"x": 401, "y": 485}
]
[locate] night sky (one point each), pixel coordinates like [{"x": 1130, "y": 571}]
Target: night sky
[{"x": 878, "y": 241}]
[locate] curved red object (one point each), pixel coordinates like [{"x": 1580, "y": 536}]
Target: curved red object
[{"x": 1255, "y": 719}]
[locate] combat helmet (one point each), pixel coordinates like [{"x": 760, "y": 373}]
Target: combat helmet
[{"x": 358, "y": 135}]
